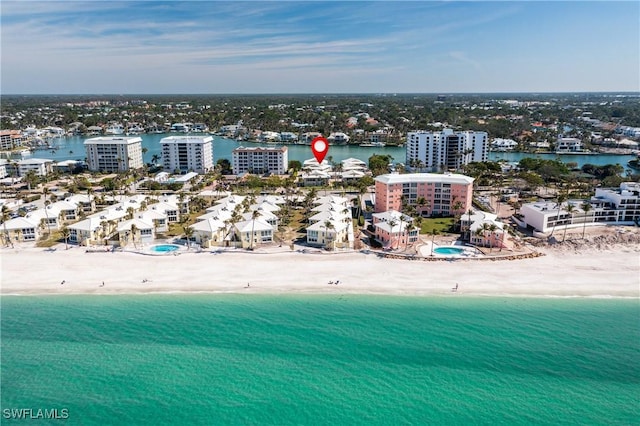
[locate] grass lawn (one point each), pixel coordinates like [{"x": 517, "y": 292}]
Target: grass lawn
[{"x": 442, "y": 224}]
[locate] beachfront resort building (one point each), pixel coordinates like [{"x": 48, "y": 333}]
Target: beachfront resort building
[
  {"x": 41, "y": 166},
  {"x": 49, "y": 218},
  {"x": 394, "y": 230},
  {"x": 10, "y": 139},
  {"x": 114, "y": 153},
  {"x": 238, "y": 221},
  {"x": 148, "y": 215},
  {"x": 431, "y": 194},
  {"x": 331, "y": 225},
  {"x": 187, "y": 153},
  {"x": 259, "y": 160},
  {"x": 484, "y": 229},
  {"x": 609, "y": 206},
  {"x": 445, "y": 150}
]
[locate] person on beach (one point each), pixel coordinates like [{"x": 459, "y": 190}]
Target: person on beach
[
  {"x": 102, "y": 285},
  {"x": 63, "y": 281}
]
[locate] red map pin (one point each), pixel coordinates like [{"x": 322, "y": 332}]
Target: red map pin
[{"x": 320, "y": 147}]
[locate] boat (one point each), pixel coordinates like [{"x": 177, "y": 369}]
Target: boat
[
  {"x": 114, "y": 129},
  {"x": 634, "y": 164},
  {"x": 372, "y": 144},
  {"x": 179, "y": 128}
]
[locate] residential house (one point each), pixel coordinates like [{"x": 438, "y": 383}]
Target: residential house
[
  {"x": 484, "y": 229},
  {"x": 394, "y": 230},
  {"x": 136, "y": 231}
]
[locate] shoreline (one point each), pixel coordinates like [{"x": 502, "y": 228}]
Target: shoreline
[{"x": 612, "y": 273}]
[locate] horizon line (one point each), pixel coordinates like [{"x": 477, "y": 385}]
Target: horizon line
[{"x": 637, "y": 92}]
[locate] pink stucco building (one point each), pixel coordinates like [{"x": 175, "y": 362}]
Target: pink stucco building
[{"x": 431, "y": 194}]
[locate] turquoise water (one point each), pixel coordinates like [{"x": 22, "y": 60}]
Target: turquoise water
[
  {"x": 240, "y": 359},
  {"x": 448, "y": 250},
  {"x": 164, "y": 248}
]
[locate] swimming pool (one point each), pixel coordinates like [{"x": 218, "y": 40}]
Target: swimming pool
[
  {"x": 448, "y": 250},
  {"x": 164, "y": 248}
]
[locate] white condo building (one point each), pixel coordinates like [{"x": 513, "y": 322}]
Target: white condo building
[
  {"x": 260, "y": 160},
  {"x": 114, "y": 153},
  {"x": 609, "y": 206},
  {"x": 445, "y": 150},
  {"x": 187, "y": 153}
]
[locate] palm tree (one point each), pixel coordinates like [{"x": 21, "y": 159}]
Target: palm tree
[
  {"x": 421, "y": 202},
  {"x": 362, "y": 189},
  {"x": 400, "y": 232},
  {"x": 329, "y": 225},
  {"x": 6, "y": 215},
  {"x": 392, "y": 224},
  {"x": 480, "y": 232},
  {"x": 46, "y": 213},
  {"x": 434, "y": 232},
  {"x": 235, "y": 218},
  {"x": 492, "y": 229},
  {"x": 457, "y": 211},
  {"x": 188, "y": 233},
  {"x": 485, "y": 228},
  {"x": 155, "y": 158},
  {"x": 560, "y": 198},
  {"x": 254, "y": 215},
  {"x": 134, "y": 229},
  {"x": 586, "y": 207},
  {"x": 570, "y": 209},
  {"x": 66, "y": 233},
  {"x": 470, "y": 213}
]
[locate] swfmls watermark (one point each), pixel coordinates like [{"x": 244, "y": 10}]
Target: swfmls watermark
[{"x": 35, "y": 413}]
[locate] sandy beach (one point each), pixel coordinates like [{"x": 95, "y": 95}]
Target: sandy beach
[{"x": 560, "y": 273}]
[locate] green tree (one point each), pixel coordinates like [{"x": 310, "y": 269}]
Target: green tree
[
  {"x": 188, "y": 233},
  {"x": 31, "y": 178},
  {"x": 6, "y": 215},
  {"x": 224, "y": 166},
  {"x": 66, "y": 233},
  {"x": 254, "y": 215},
  {"x": 295, "y": 165},
  {"x": 134, "y": 230},
  {"x": 379, "y": 164}
]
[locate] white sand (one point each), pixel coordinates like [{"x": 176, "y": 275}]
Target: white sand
[{"x": 607, "y": 273}]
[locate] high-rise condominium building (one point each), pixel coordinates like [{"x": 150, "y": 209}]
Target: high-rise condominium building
[
  {"x": 114, "y": 153},
  {"x": 445, "y": 150},
  {"x": 431, "y": 194},
  {"x": 260, "y": 160},
  {"x": 187, "y": 153}
]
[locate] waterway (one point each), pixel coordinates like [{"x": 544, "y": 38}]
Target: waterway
[{"x": 72, "y": 148}]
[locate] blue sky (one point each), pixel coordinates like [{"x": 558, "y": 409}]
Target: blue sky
[{"x": 319, "y": 47}]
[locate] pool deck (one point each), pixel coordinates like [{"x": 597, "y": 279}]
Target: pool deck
[{"x": 425, "y": 250}]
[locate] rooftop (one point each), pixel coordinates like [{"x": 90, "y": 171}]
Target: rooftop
[{"x": 395, "y": 178}]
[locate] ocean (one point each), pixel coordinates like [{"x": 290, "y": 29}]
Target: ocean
[{"x": 339, "y": 359}]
